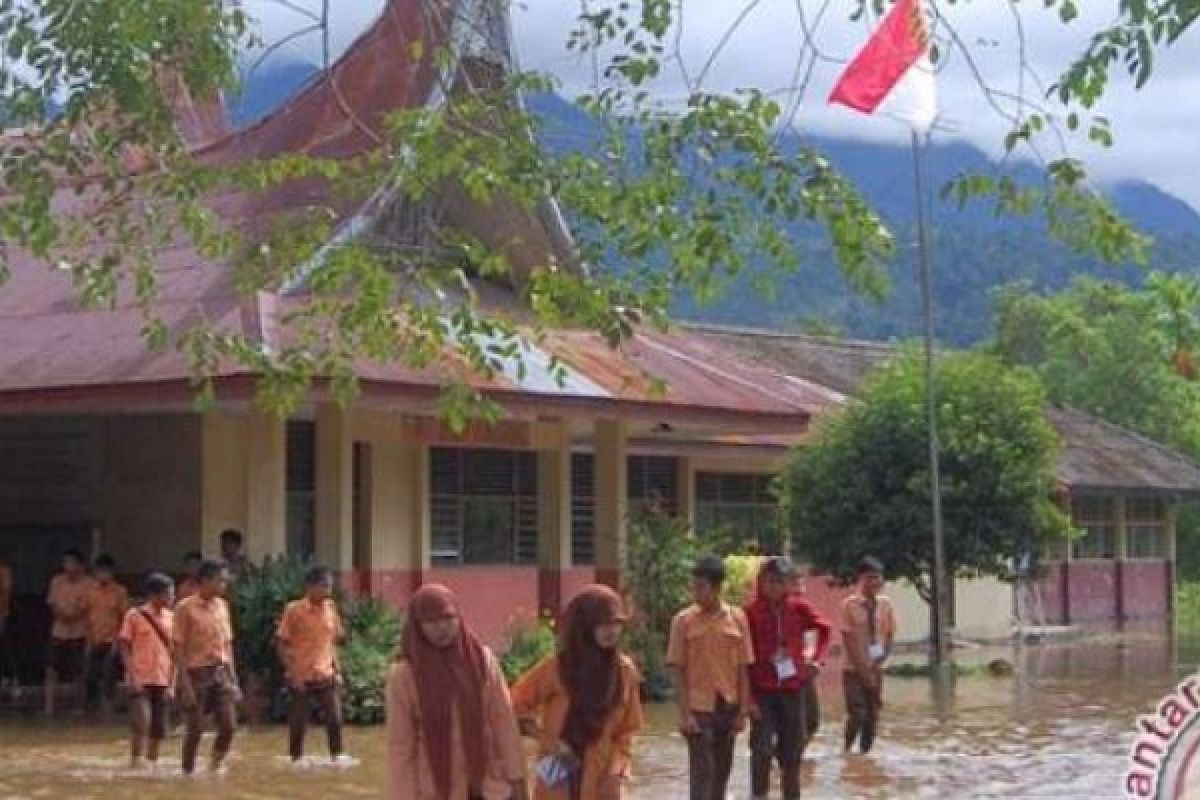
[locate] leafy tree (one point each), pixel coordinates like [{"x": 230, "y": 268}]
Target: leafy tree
[
  {"x": 861, "y": 485},
  {"x": 1125, "y": 355},
  {"x": 705, "y": 188}
]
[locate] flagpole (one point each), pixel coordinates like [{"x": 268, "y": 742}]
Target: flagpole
[{"x": 938, "y": 643}]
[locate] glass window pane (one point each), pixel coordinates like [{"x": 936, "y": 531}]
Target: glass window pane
[{"x": 488, "y": 528}]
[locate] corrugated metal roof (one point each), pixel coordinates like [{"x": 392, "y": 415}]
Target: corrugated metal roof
[
  {"x": 1094, "y": 454},
  {"x": 50, "y": 343}
]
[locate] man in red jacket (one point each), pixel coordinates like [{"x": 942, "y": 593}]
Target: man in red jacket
[{"x": 778, "y": 620}]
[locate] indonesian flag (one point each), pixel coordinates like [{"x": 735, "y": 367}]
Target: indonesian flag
[{"x": 893, "y": 74}]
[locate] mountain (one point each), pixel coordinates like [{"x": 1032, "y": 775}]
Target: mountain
[{"x": 974, "y": 251}]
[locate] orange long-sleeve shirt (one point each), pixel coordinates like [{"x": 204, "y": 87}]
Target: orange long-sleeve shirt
[{"x": 541, "y": 696}]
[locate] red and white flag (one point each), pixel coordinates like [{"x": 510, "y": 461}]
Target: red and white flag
[{"x": 893, "y": 74}]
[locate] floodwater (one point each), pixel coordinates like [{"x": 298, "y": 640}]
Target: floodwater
[{"x": 1060, "y": 728}]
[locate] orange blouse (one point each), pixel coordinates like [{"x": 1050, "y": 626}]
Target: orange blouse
[
  {"x": 540, "y": 697},
  {"x": 410, "y": 777}
]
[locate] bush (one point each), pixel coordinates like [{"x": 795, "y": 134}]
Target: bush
[
  {"x": 527, "y": 644},
  {"x": 257, "y": 601},
  {"x": 1187, "y": 605},
  {"x": 742, "y": 572},
  {"x": 658, "y": 574},
  {"x": 373, "y": 631}
]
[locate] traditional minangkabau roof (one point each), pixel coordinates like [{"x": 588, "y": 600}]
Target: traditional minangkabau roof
[
  {"x": 1094, "y": 455},
  {"x": 58, "y": 356}
]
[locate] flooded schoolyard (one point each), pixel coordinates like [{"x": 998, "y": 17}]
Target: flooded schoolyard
[{"x": 1059, "y": 728}]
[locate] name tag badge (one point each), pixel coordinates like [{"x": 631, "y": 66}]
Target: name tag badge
[
  {"x": 552, "y": 771},
  {"x": 875, "y": 651},
  {"x": 785, "y": 667}
]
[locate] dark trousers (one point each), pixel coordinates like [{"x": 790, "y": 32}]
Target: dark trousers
[
  {"x": 100, "y": 675},
  {"x": 216, "y": 695},
  {"x": 812, "y": 712},
  {"x": 710, "y": 752},
  {"x": 863, "y": 705},
  {"x": 324, "y": 696},
  {"x": 777, "y": 735}
]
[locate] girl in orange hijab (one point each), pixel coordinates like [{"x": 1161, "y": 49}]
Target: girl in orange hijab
[
  {"x": 451, "y": 730},
  {"x": 583, "y": 704}
]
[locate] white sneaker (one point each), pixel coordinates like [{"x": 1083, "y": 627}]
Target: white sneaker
[{"x": 343, "y": 761}]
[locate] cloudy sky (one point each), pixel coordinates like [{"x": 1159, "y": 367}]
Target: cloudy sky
[{"x": 1157, "y": 129}]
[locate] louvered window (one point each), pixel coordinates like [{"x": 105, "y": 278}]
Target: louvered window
[
  {"x": 483, "y": 506},
  {"x": 653, "y": 482},
  {"x": 583, "y": 508}
]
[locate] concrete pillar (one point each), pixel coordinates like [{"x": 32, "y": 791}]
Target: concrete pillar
[
  {"x": 1121, "y": 528},
  {"x": 686, "y": 482},
  {"x": 335, "y": 488},
  {"x": 611, "y": 512},
  {"x": 1172, "y": 553},
  {"x": 554, "y": 519},
  {"x": 223, "y": 461},
  {"x": 266, "y": 486},
  {"x": 392, "y": 555}
]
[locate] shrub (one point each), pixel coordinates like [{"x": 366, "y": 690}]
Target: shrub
[
  {"x": 658, "y": 574},
  {"x": 527, "y": 643},
  {"x": 257, "y": 600},
  {"x": 373, "y": 632},
  {"x": 741, "y": 574}
]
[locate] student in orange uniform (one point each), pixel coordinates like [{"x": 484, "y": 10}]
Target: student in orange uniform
[
  {"x": 582, "y": 704},
  {"x": 145, "y": 642},
  {"x": 67, "y": 598},
  {"x": 451, "y": 730},
  {"x": 187, "y": 580},
  {"x": 107, "y": 603},
  {"x": 207, "y": 676},
  {"x": 868, "y": 634},
  {"x": 710, "y": 649},
  {"x": 310, "y": 631}
]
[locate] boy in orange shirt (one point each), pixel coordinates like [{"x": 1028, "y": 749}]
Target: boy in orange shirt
[
  {"x": 711, "y": 651},
  {"x": 868, "y": 635},
  {"x": 107, "y": 602},
  {"x": 67, "y": 599},
  {"x": 309, "y": 633},
  {"x": 208, "y": 681},
  {"x": 187, "y": 581},
  {"x": 145, "y": 642}
]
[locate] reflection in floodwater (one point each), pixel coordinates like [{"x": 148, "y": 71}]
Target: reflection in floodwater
[{"x": 1060, "y": 728}]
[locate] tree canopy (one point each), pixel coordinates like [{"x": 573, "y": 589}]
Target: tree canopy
[
  {"x": 861, "y": 485},
  {"x": 705, "y": 188}
]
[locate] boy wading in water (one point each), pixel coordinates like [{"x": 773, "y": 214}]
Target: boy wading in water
[
  {"x": 310, "y": 631},
  {"x": 107, "y": 602},
  {"x": 145, "y": 642},
  {"x": 710, "y": 650},
  {"x": 208, "y": 682},
  {"x": 868, "y": 633},
  {"x": 68, "y": 601},
  {"x": 778, "y": 622}
]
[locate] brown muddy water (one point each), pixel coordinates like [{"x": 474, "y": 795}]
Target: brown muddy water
[{"x": 1060, "y": 728}]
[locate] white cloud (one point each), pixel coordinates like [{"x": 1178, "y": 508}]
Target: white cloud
[{"x": 1155, "y": 127}]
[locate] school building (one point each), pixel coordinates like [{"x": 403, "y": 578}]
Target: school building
[{"x": 101, "y": 445}]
